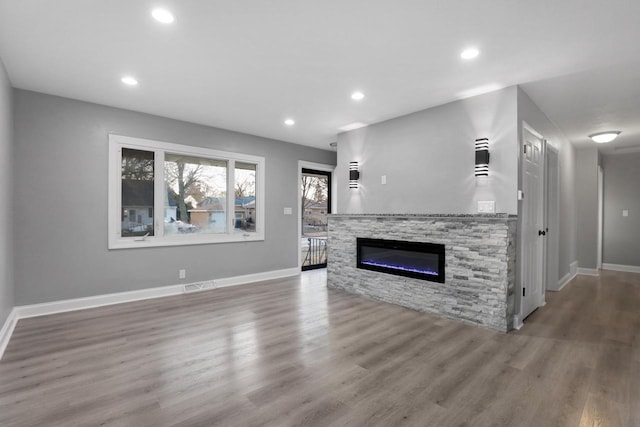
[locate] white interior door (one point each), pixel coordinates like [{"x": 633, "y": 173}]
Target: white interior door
[{"x": 532, "y": 224}]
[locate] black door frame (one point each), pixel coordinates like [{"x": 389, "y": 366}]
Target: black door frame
[{"x": 329, "y": 195}]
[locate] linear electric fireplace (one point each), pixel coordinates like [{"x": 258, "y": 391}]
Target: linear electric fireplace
[{"x": 411, "y": 259}]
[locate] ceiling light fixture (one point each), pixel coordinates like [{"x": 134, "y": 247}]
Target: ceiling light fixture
[
  {"x": 129, "y": 81},
  {"x": 604, "y": 137},
  {"x": 469, "y": 53},
  {"x": 289, "y": 122},
  {"x": 163, "y": 15},
  {"x": 357, "y": 96}
]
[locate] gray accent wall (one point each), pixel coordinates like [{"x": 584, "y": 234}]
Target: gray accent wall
[
  {"x": 529, "y": 112},
  {"x": 428, "y": 158},
  {"x": 621, "y": 235},
  {"x": 6, "y": 195},
  {"x": 587, "y": 207},
  {"x": 61, "y": 148}
]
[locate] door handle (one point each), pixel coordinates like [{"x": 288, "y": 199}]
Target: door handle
[{"x": 542, "y": 233}]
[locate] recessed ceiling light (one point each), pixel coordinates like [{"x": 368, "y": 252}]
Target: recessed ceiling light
[
  {"x": 357, "y": 96},
  {"x": 163, "y": 15},
  {"x": 469, "y": 53},
  {"x": 289, "y": 122},
  {"x": 604, "y": 137},
  {"x": 129, "y": 81}
]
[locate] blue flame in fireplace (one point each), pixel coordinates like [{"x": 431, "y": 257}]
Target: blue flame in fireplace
[{"x": 398, "y": 267}]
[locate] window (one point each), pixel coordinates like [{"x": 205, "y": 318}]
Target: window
[
  {"x": 197, "y": 195},
  {"x": 163, "y": 194},
  {"x": 137, "y": 192},
  {"x": 245, "y": 194}
]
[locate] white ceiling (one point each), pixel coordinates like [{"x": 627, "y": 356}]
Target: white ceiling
[{"x": 247, "y": 65}]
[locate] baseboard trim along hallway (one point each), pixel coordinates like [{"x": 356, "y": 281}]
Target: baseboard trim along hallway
[
  {"x": 7, "y": 330},
  {"x": 620, "y": 267}
]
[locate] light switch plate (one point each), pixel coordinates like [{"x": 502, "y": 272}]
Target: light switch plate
[
  {"x": 288, "y": 211},
  {"x": 383, "y": 180},
  {"x": 625, "y": 212},
  {"x": 487, "y": 206}
]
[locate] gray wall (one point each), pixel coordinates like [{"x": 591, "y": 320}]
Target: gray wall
[
  {"x": 61, "y": 203},
  {"x": 621, "y": 236},
  {"x": 587, "y": 206},
  {"x": 532, "y": 115},
  {"x": 6, "y": 195},
  {"x": 428, "y": 158}
]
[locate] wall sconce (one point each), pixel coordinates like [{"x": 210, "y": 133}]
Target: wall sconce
[
  {"x": 354, "y": 174},
  {"x": 482, "y": 157}
]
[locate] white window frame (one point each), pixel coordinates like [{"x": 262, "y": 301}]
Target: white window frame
[{"x": 116, "y": 241}]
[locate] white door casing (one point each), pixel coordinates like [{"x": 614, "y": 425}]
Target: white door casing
[
  {"x": 532, "y": 266},
  {"x": 600, "y": 215},
  {"x": 552, "y": 220}
]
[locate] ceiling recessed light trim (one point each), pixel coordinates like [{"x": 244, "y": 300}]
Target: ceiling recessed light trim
[
  {"x": 129, "y": 81},
  {"x": 289, "y": 122},
  {"x": 163, "y": 15},
  {"x": 357, "y": 96},
  {"x": 470, "y": 53},
  {"x": 604, "y": 137}
]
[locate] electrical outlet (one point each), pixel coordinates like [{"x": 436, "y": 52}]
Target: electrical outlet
[
  {"x": 182, "y": 273},
  {"x": 488, "y": 206},
  {"x": 288, "y": 211}
]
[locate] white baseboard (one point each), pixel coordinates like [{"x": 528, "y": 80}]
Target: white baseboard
[
  {"x": 7, "y": 330},
  {"x": 573, "y": 268},
  {"x": 573, "y": 271},
  {"x": 566, "y": 279},
  {"x": 517, "y": 322},
  {"x": 53, "y": 307},
  {"x": 588, "y": 271},
  {"x": 43, "y": 309},
  {"x": 256, "y": 277},
  {"x": 620, "y": 267}
]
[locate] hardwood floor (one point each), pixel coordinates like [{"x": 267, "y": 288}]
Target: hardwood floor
[{"x": 291, "y": 352}]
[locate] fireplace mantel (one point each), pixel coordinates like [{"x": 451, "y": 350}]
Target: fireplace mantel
[
  {"x": 480, "y": 263},
  {"x": 463, "y": 217}
]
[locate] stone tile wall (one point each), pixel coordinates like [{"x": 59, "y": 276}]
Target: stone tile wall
[{"x": 479, "y": 269}]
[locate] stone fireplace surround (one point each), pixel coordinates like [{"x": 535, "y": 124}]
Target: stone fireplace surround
[{"x": 480, "y": 264}]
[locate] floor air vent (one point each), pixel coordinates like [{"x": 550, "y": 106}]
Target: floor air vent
[{"x": 199, "y": 286}]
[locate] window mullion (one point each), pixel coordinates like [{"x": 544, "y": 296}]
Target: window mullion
[
  {"x": 231, "y": 196},
  {"x": 160, "y": 194},
  {"x": 115, "y": 193},
  {"x": 259, "y": 193}
]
